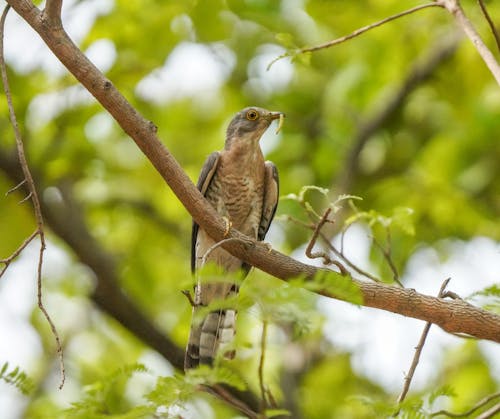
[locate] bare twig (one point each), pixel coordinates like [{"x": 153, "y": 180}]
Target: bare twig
[
  {"x": 263, "y": 338},
  {"x": 223, "y": 394},
  {"x": 15, "y": 188},
  {"x": 347, "y": 261},
  {"x": 7, "y": 261},
  {"x": 32, "y": 194},
  {"x": 314, "y": 255},
  {"x": 418, "y": 349},
  {"x": 386, "y": 252},
  {"x": 490, "y": 413},
  {"x": 354, "y": 34},
  {"x": 490, "y": 22},
  {"x": 454, "y": 7},
  {"x": 477, "y": 406},
  {"x": 220, "y": 243},
  {"x": 189, "y": 297}
]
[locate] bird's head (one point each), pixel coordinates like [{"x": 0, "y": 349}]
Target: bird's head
[{"x": 249, "y": 124}]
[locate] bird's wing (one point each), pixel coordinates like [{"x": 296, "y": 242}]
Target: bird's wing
[
  {"x": 271, "y": 194},
  {"x": 206, "y": 176}
]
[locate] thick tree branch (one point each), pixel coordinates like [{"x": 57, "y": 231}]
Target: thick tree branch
[{"x": 453, "y": 316}]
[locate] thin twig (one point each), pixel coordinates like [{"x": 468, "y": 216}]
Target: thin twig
[
  {"x": 224, "y": 241},
  {"x": 454, "y": 7},
  {"x": 189, "y": 297},
  {"x": 15, "y": 188},
  {"x": 418, "y": 349},
  {"x": 347, "y": 261},
  {"x": 32, "y": 194},
  {"x": 7, "y": 261},
  {"x": 490, "y": 413},
  {"x": 314, "y": 255},
  {"x": 354, "y": 34},
  {"x": 490, "y": 22},
  {"x": 220, "y": 392},
  {"x": 477, "y": 406},
  {"x": 386, "y": 252},
  {"x": 263, "y": 338}
]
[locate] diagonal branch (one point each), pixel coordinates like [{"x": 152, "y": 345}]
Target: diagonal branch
[
  {"x": 419, "y": 348},
  {"x": 454, "y": 7},
  {"x": 421, "y": 71},
  {"x": 452, "y": 316},
  {"x": 490, "y": 22}
]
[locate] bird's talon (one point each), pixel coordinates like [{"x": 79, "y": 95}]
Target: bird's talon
[{"x": 268, "y": 246}]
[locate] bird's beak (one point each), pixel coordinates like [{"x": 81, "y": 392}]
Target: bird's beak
[{"x": 277, "y": 115}]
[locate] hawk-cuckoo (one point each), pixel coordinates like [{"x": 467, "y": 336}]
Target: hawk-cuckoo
[{"x": 243, "y": 188}]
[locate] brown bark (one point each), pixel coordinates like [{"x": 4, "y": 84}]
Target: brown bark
[{"x": 453, "y": 316}]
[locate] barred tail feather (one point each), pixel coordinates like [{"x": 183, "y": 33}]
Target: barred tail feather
[{"x": 208, "y": 337}]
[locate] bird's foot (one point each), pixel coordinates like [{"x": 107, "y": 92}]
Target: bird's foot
[
  {"x": 228, "y": 225},
  {"x": 268, "y": 246}
]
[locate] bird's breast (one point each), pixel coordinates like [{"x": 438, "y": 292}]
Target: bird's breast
[{"x": 237, "y": 192}]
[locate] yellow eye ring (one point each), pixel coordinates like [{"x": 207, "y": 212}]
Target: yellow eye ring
[{"x": 252, "y": 115}]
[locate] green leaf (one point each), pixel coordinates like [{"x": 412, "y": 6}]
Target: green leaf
[
  {"x": 444, "y": 391},
  {"x": 271, "y": 413},
  {"x": 336, "y": 284},
  {"x": 17, "y": 378},
  {"x": 402, "y": 217}
]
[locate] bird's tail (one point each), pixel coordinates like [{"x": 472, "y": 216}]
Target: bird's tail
[{"x": 216, "y": 330}]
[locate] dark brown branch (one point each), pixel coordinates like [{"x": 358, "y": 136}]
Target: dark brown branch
[
  {"x": 452, "y": 316},
  {"x": 263, "y": 337},
  {"x": 490, "y": 22},
  {"x": 28, "y": 178},
  {"x": 222, "y": 393},
  {"x": 386, "y": 253},
  {"x": 419, "y": 73},
  {"x": 66, "y": 220}
]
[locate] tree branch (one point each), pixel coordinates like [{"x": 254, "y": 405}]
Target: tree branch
[
  {"x": 419, "y": 348},
  {"x": 454, "y": 7},
  {"x": 419, "y": 73},
  {"x": 452, "y": 316},
  {"x": 354, "y": 34},
  {"x": 490, "y": 22}
]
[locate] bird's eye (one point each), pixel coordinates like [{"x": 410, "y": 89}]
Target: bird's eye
[{"x": 252, "y": 115}]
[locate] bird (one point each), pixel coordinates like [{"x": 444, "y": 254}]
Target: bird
[{"x": 243, "y": 188}]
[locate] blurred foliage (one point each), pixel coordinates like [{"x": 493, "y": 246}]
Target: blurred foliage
[{"x": 430, "y": 172}]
